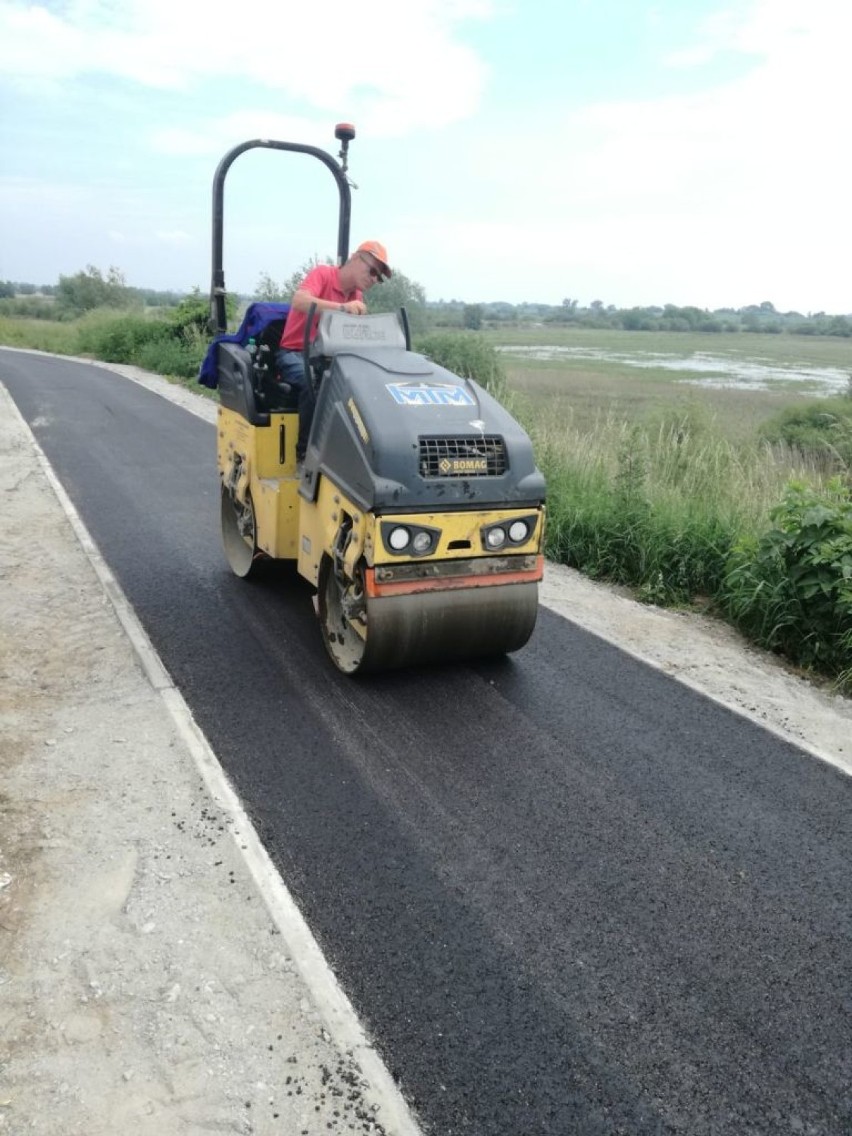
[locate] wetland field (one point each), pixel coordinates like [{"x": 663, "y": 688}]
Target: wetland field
[{"x": 733, "y": 382}]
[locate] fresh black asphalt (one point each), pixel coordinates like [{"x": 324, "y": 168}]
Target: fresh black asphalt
[{"x": 566, "y": 894}]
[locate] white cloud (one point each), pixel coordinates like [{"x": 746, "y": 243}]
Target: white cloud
[
  {"x": 140, "y": 238},
  {"x": 783, "y": 31},
  {"x": 176, "y": 237},
  {"x": 733, "y": 192},
  {"x": 761, "y": 148},
  {"x": 360, "y": 59}
]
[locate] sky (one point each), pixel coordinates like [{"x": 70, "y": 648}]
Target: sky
[{"x": 678, "y": 152}]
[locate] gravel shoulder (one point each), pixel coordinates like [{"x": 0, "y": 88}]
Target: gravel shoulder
[{"x": 145, "y": 984}]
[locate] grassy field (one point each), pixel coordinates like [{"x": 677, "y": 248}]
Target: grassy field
[
  {"x": 825, "y": 351},
  {"x": 39, "y": 335},
  {"x": 576, "y": 390}
]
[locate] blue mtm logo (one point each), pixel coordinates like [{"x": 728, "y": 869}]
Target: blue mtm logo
[{"x": 422, "y": 394}]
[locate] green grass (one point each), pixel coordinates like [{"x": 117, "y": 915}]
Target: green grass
[
  {"x": 659, "y": 506},
  {"x": 39, "y": 335}
]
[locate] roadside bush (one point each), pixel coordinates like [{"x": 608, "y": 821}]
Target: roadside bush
[
  {"x": 790, "y": 590},
  {"x": 822, "y": 428},
  {"x": 466, "y": 354},
  {"x": 192, "y": 314},
  {"x": 155, "y": 343},
  {"x": 178, "y": 355},
  {"x": 119, "y": 338}
]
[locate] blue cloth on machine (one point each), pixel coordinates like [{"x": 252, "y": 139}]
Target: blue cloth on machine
[{"x": 257, "y": 318}]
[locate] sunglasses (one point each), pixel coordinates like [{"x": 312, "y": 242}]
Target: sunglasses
[{"x": 374, "y": 272}]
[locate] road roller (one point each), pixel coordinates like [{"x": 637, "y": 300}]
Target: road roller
[{"x": 417, "y": 515}]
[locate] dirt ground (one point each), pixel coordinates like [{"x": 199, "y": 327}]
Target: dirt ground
[{"x": 149, "y": 982}]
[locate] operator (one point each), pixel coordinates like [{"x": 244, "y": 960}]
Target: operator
[{"x": 331, "y": 289}]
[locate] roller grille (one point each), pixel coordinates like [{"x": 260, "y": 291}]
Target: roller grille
[{"x": 479, "y": 455}]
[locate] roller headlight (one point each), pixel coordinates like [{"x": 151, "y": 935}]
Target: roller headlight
[
  {"x": 408, "y": 539},
  {"x": 495, "y": 538},
  {"x": 518, "y": 532}
]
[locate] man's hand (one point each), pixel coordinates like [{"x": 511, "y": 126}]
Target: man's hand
[{"x": 355, "y": 308}]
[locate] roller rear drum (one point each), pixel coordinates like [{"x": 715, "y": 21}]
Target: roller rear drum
[{"x": 239, "y": 533}]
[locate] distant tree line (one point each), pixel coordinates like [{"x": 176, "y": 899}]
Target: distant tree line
[
  {"x": 90, "y": 289},
  {"x": 763, "y": 318}
]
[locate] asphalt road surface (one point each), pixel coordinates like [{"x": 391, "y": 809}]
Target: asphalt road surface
[{"x": 565, "y": 893}]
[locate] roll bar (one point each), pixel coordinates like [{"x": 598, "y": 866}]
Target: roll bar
[{"x": 344, "y": 132}]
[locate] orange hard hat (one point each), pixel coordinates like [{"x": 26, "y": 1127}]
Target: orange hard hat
[{"x": 378, "y": 250}]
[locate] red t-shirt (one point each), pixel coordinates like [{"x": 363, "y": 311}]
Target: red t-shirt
[{"x": 323, "y": 282}]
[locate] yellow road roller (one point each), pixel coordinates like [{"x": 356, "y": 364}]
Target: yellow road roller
[{"x": 418, "y": 512}]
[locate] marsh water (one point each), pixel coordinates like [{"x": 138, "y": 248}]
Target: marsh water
[{"x": 706, "y": 370}]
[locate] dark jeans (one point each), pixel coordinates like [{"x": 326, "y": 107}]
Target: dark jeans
[{"x": 291, "y": 367}]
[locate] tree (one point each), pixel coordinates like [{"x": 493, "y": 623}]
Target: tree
[
  {"x": 269, "y": 290},
  {"x": 472, "y": 317},
  {"x": 192, "y": 314},
  {"x": 399, "y": 292},
  {"x": 89, "y": 289},
  {"x": 274, "y": 291}
]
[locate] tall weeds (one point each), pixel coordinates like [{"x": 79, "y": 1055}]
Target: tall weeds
[
  {"x": 759, "y": 533},
  {"x": 655, "y": 507}
]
